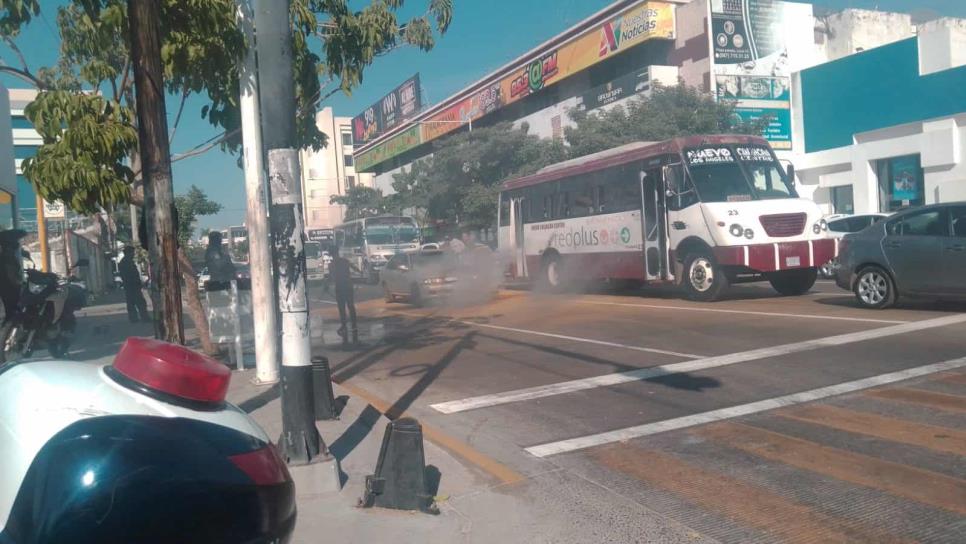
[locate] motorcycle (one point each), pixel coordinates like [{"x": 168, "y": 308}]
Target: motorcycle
[{"x": 46, "y": 315}]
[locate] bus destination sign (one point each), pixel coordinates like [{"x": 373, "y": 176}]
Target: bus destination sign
[{"x": 709, "y": 155}]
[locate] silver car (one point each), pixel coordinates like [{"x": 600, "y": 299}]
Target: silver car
[
  {"x": 418, "y": 276},
  {"x": 920, "y": 252}
]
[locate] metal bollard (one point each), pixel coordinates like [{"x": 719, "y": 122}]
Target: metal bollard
[
  {"x": 236, "y": 321},
  {"x": 322, "y": 390}
]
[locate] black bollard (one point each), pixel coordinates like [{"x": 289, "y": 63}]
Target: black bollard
[
  {"x": 400, "y": 478},
  {"x": 322, "y": 389}
]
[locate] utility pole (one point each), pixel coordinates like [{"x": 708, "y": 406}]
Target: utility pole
[
  {"x": 42, "y": 236},
  {"x": 143, "y": 17},
  {"x": 300, "y": 442},
  {"x": 259, "y": 249}
]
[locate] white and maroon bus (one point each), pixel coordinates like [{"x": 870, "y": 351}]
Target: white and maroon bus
[{"x": 702, "y": 212}]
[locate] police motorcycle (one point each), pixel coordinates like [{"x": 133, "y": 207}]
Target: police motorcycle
[
  {"x": 143, "y": 450},
  {"x": 46, "y": 314}
]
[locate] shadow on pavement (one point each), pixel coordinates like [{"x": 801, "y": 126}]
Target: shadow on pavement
[
  {"x": 250, "y": 405},
  {"x": 847, "y": 300}
]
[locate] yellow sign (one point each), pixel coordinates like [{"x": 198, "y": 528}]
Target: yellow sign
[{"x": 631, "y": 27}]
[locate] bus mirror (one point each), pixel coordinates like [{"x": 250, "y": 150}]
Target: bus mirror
[
  {"x": 790, "y": 169},
  {"x": 672, "y": 180}
]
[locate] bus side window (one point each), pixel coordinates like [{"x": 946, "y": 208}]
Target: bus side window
[{"x": 599, "y": 199}]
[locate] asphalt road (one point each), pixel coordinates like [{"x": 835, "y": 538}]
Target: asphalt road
[{"x": 756, "y": 419}]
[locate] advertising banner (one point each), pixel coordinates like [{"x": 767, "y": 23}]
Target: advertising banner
[
  {"x": 750, "y": 62},
  {"x": 778, "y": 132},
  {"x": 631, "y": 27},
  {"x": 905, "y": 180},
  {"x": 618, "y": 89},
  {"x": 391, "y": 110},
  {"x": 398, "y": 144},
  {"x": 611, "y": 233}
]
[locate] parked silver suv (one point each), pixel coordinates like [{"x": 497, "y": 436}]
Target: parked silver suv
[{"x": 919, "y": 252}]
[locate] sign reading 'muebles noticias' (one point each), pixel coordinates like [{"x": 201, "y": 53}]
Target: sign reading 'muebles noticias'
[{"x": 620, "y": 32}]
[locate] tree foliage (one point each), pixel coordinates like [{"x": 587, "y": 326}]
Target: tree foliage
[
  {"x": 201, "y": 51},
  {"x": 190, "y": 206},
  {"x": 669, "y": 112},
  {"x": 361, "y": 202},
  {"x": 75, "y": 125},
  {"x": 458, "y": 184}
]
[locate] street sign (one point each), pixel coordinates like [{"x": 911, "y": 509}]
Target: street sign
[
  {"x": 54, "y": 210},
  {"x": 321, "y": 235}
]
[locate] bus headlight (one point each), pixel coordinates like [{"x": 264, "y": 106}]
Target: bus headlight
[
  {"x": 816, "y": 228},
  {"x": 749, "y": 234},
  {"x": 824, "y": 224},
  {"x": 736, "y": 230}
]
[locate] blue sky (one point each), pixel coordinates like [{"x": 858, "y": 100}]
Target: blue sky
[{"x": 484, "y": 35}]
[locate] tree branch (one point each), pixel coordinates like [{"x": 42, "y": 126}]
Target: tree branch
[
  {"x": 24, "y": 75},
  {"x": 13, "y": 47},
  {"x": 177, "y": 118},
  {"x": 125, "y": 81}
]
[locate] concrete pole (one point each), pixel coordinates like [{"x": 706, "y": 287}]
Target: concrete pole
[
  {"x": 300, "y": 442},
  {"x": 259, "y": 249}
]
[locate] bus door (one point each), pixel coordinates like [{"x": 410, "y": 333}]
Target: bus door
[
  {"x": 517, "y": 241},
  {"x": 654, "y": 225}
]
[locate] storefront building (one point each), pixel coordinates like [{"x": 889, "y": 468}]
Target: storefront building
[{"x": 885, "y": 128}]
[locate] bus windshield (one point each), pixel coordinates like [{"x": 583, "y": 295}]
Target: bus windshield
[
  {"x": 392, "y": 234},
  {"x": 737, "y": 174},
  {"x": 313, "y": 250}
]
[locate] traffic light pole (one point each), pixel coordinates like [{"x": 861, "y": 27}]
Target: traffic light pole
[{"x": 300, "y": 442}]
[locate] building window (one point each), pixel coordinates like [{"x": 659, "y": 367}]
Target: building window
[
  {"x": 842, "y": 199},
  {"x": 19, "y": 121},
  {"x": 24, "y": 151},
  {"x": 347, "y": 159},
  {"x": 350, "y": 182},
  {"x": 346, "y": 138},
  {"x": 900, "y": 182}
]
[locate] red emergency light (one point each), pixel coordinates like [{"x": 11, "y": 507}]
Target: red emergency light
[{"x": 173, "y": 370}]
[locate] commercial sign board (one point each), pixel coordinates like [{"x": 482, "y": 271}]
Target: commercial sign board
[
  {"x": 54, "y": 210},
  {"x": 390, "y": 111},
  {"x": 623, "y": 87},
  {"x": 397, "y": 145},
  {"x": 321, "y": 235},
  {"x": 750, "y": 59},
  {"x": 630, "y": 27}
]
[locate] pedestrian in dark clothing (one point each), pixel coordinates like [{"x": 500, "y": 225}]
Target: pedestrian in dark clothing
[
  {"x": 220, "y": 268},
  {"x": 340, "y": 274},
  {"x": 11, "y": 272},
  {"x": 137, "y": 308}
]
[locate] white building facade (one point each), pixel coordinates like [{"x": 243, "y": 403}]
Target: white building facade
[
  {"x": 885, "y": 128},
  {"x": 329, "y": 172}
]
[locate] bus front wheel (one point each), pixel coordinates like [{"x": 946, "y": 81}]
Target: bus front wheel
[
  {"x": 793, "y": 282},
  {"x": 704, "y": 279},
  {"x": 552, "y": 277}
]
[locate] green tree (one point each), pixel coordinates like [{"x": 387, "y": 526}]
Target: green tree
[
  {"x": 361, "y": 202},
  {"x": 459, "y": 183},
  {"x": 667, "y": 113},
  {"x": 201, "y": 51},
  {"x": 190, "y": 206}
]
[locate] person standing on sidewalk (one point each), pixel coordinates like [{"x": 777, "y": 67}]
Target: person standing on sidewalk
[
  {"x": 11, "y": 275},
  {"x": 137, "y": 308},
  {"x": 220, "y": 268},
  {"x": 340, "y": 274}
]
